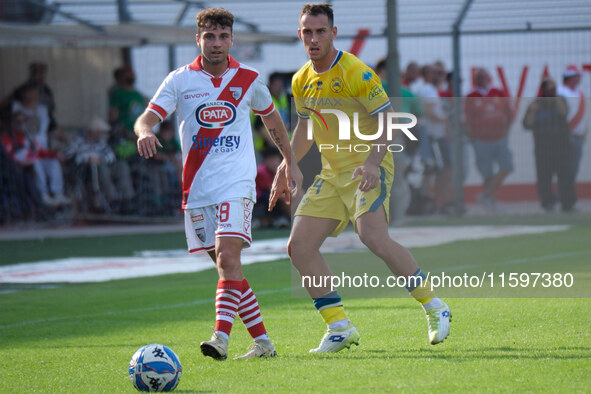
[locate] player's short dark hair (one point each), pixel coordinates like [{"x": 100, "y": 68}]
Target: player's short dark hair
[
  {"x": 211, "y": 17},
  {"x": 319, "y": 9}
]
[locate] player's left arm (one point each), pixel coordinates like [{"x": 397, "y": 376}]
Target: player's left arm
[{"x": 278, "y": 133}]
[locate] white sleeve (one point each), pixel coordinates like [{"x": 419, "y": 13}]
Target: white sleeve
[
  {"x": 164, "y": 101},
  {"x": 261, "y": 101}
]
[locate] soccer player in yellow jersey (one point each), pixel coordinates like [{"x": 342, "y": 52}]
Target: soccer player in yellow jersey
[{"x": 356, "y": 177}]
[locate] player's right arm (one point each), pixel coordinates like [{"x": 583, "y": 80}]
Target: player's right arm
[
  {"x": 300, "y": 145},
  {"x": 144, "y": 129},
  {"x": 162, "y": 104}
]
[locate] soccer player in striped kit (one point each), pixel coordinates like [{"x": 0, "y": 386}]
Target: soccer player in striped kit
[{"x": 213, "y": 97}]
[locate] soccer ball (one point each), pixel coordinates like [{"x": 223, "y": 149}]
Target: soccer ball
[{"x": 155, "y": 368}]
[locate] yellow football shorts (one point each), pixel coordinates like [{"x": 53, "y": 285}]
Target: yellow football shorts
[{"x": 336, "y": 196}]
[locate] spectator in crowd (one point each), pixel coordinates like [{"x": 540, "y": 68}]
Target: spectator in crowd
[
  {"x": 435, "y": 123},
  {"x": 400, "y": 189},
  {"x": 96, "y": 166},
  {"x": 126, "y": 103},
  {"x": 36, "y": 123},
  {"x": 446, "y": 92},
  {"x": 412, "y": 78},
  {"x": 547, "y": 118},
  {"x": 19, "y": 194},
  {"x": 281, "y": 213},
  {"x": 446, "y": 88},
  {"x": 262, "y": 139},
  {"x": 38, "y": 75},
  {"x": 578, "y": 119},
  {"x": 280, "y": 99},
  {"x": 488, "y": 117},
  {"x": 118, "y": 75}
]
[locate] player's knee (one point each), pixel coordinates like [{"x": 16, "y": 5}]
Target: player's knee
[
  {"x": 289, "y": 248},
  {"x": 227, "y": 260},
  {"x": 373, "y": 242},
  {"x": 291, "y": 244},
  {"x": 296, "y": 248}
]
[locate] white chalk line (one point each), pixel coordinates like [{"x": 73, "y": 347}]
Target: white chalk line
[
  {"x": 97, "y": 269},
  {"x": 263, "y": 292}
]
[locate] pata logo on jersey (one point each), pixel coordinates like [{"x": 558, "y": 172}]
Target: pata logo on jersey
[
  {"x": 215, "y": 115},
  {"x": 354, "y": 122}
]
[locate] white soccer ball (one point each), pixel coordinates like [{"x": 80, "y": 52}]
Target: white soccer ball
[{"x": 155, "y": 367}]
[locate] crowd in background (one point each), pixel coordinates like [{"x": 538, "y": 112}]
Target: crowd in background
[
  {"x": 556, "y": 118},
  {"x": 97, "y": 170},
  {"x": 47, "y": 171}
]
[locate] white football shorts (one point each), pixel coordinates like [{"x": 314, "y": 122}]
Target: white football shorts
[{"x": 227, "y": 219}]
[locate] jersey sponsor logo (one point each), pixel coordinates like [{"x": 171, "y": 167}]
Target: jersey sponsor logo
[
  {"x": 195, "y": 95},
  {"x": 319, "y": 85},
  {"x": 236, "y": 92},
  {"x": 376, "y": 91},
  {"x": 336, "y": 85},
  {"x": 222, "y": 144},
  {"x": 322, "y": 101},
  {"x": 215, "y": 114}
]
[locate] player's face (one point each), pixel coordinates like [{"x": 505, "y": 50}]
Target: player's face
[
  {"x": 317, "y": 35},
  {"x": 215, "y": 43}
]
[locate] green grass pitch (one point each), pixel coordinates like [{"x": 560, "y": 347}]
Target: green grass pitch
[{"x": 80, "y": 338}]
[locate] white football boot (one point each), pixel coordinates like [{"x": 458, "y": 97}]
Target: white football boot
[
  {"x": 438, "y": 319},
  {"x": 216, "y": 347},
  {"x": 336, "y": 340},
  {"x": 260, "y": 348}
]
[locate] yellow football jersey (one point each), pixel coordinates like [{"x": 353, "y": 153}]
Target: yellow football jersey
[{"x": 351, "y": 87}]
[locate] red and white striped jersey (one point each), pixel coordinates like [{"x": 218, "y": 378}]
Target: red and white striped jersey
[{"x": 214, "y": 128}]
